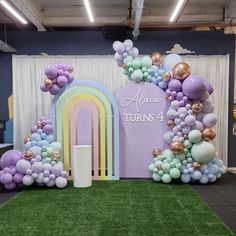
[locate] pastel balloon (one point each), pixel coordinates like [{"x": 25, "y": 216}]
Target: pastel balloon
[
  {"x": 194, "y": 87},
  {"x": 166, "y": 178},
  {"x": 185, "y": 178},
  {"x": 209, "y": 120},
  {"x": 44, "y": 88},
  {"x": 6, "y": 178},
  {"x": 210, "y": 88},
  {"x": 207, "y": 107},
  {"x": 18, "y": 178},
  {"x": 195, "y": 136},
  {"x": 175, "y": 85},
  {"x": 175, "y": 173},
  {"x": 203, "y": 152},
  {"x": 61, "y": 182},
  {"x": 190, "y": 120},
  {"x": 37, "y": 167},
  {"x": 57, "y": 169},
  {"x": 48, "y": 129},
  {"x": 146, "y": 62},
  {"x": 62, "y": 80},
  {"x": 136, "y": 63},
  {"x": 22, "y": 166},
  {"x": 170, "y": 61},
  {"x": 9, "y": 158},
  {"x": 128, "y": 43},
  {"x": 116, "y": 45},
  {"x": 10, "y": 186},
  {"x": 50, "y": 71},
  {"x": 28, "y": 180},
  {"x": 137, "y": 75},
  {"x": 135, "y": 52},
  {"x": 181, "y": 71}
]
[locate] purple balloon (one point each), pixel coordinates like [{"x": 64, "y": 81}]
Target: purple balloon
[
  {"x": 210, "y": 88},
  {"x": 70, "y": 78},
  {"x": 116, "y": 45},
  {"x": 9, "y": 158},
  {"x": 121, "y": 48},
  {"x": 55, "y": 89},
  {"x": 6, "y": 178},
  {"x": 175, "y": 85},
  {"x": 34, "y": 129},
  {"x": 44, "y": 88},
  {"x": 190, "y": 120},
  {"x": 10, "y": 186},
  {"x": 18, "y": 177},
  {"x": 48, "y": 129},
  {"x": 209, "y": 120},
  {"x": 62, "y": 80},
  {"x": 118, "y": 57},
  {"x": 135, "y": 52},
  {"x": 194, "y": 87},
  {"x": 51, "y": 71}
]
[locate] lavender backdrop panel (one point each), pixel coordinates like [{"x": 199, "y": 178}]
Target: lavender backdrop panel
[
  {"x": 142, "y": 126},
  {"x": 84, "y": 132}
]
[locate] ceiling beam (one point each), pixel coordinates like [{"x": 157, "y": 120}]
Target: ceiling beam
[{"x": 27, "y": 8}]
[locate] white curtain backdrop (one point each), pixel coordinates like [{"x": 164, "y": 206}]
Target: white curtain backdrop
[{"x": 30, "y": 103}]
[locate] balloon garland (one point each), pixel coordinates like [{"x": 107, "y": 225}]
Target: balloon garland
[
  {"x": 190, "y": 118},
  {"x": 40, "y": 162}
]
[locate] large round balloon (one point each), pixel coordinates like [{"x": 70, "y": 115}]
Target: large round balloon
[
  {"x": 170, "y": 61},
  {"x": 203, "y": 152},
  {"x": 10, "y": 158},
  {"x": 194, "y": 87}
]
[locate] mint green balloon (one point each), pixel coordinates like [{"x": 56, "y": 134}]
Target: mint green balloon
[
  {"x": 144, "y": 69},
  {"x": 189, "y": 160},
  {"x": 128, "y": 59},
  {"x": 184, "y": 162},
  {"x": 156, "y": 177},
  {"x": 168, "y": 153},
  {"x": 180, "y": 156},
  {"x": 145, "y": 74},
  {"x": 43, "y": 149},
  {"x": 195, "y": 136},
  {"x": 178, "y": 166},
  {"x": 188, "y": 155},
  {"x": 131, "y": 70},
  {"x": 146, "y": 62},
  {"x": 44, "y": 154},
  {"x": 56, "y": 146},
  {"x": 158, "y": 163},
  {"x": 176, "y": 161},
  {"x": 185, "y": 150},
  {"x": 172, "y": 164},
  {"x": 48, "y": 160},
  {"x": 166, "y": 178},
  {"x": 155, "y": 170},
  {"x": 129, "y": 64},
  {"x": 49, "y": 151},
  {"x": 203, "y": 152},
  {"x": 174, "y": 173},
  {"x": 136, "y": 63},
  {"x": 161, "y": 172},
  {"x": 151, "y": 167},
  {"x": 166, "y": 167},
  {"x": 137, "y": 75},
  {"x": 187, "y": 144},
  {"x": 53, "y": 163}
]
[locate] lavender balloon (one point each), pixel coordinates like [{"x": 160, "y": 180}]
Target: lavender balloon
[{"x": 175, "y": 85}]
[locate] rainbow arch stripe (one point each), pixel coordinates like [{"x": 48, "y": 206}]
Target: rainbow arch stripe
[{"x": 64, "y": 111}]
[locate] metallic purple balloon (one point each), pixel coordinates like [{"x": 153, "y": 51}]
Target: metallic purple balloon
[
  {"x": 210, "y": 88},
  {"x": 70, "y": 78},
  {"x": 55, "y": 89},
  {"x": 48, "y": 129},
  {"x": 61, "y": 80},
  {"x": 194, "y": 87},
  {"x": 44, "y": 88}
]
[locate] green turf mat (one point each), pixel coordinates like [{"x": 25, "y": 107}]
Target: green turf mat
[{"x": 112, "y": 208}]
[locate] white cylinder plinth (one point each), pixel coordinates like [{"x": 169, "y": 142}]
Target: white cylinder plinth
[{"x": 82, "y": 166}]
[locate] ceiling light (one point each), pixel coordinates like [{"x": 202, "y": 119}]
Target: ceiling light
[
  {"x": 89, "y": 11},
  {"x": 13, "y": 11},
  {"x": 176, "y": 10}
]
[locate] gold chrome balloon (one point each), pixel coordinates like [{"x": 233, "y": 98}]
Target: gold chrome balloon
[
  {"x": 156, "y": 58},
  {"x": 26, "y": 140},
  {"x": 70, "y": 69},
  {"x": 181, "y": 71},
  {"x": 28, "y": 155},
  {"x": 177, "y": 147},
  {"x": 55, "y": 156},
  {"x": 197, "y": 107},
  {"x": 170, "y": 123},
  {"x": 48, "y": 83},
  {"x": 166, "y": 76},
  {"x": 196, "y": 165},
  {"x": 208, "y": 134},
  {"x": 156, "y": 152}
]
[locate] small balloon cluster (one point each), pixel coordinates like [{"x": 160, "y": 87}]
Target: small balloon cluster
[
  {"x": 58, "y": 76},
  {"x": 40, "y": 162},
  {"x": 190, "y": 118}
]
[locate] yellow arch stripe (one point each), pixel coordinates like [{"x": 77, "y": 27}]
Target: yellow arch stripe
[{"x": 101, "y": 109}]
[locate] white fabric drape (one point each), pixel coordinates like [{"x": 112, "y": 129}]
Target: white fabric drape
[{"x": 30, "y": 103}]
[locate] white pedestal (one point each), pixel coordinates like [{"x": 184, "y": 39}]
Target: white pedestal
[{"x": 82, "y": 166}]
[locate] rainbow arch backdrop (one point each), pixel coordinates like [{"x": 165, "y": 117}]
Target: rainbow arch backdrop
[{"x": 64, "y": 111}]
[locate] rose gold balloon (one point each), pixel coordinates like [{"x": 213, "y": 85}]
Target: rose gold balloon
[
  {"x": 48, "y": 83},
  {"x": 26, "y": 140},
  {"x": 28, "y": 155},
  {"x": 166, "y": 76},
  {"x": 197, "y": 107},
  {"x": 177, "y": 147},
  {"x": 181, "y": 71},
  {"x": 156, "y": 58},
  {"x": 208, "y": 134},
  {"x": 234, "y": 114},
  {"x": 55, "y": 155},
  {"x": 70, "y": 69},
  {"x": 156, "y": 152},
  {"x": 170, "y": 123},
  {"x": 196, "y": 165}
]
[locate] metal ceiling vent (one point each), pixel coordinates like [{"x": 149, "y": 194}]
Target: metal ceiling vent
[{"x": 6, "y": 47}]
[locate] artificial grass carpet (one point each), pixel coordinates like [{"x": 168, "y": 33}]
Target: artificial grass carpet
[{"x": 127, "y": 207}]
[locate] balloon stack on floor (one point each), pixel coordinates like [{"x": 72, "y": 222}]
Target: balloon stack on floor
[
  {"x": 39, "y": 163},
  {"x": 191, "y": 156}
]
